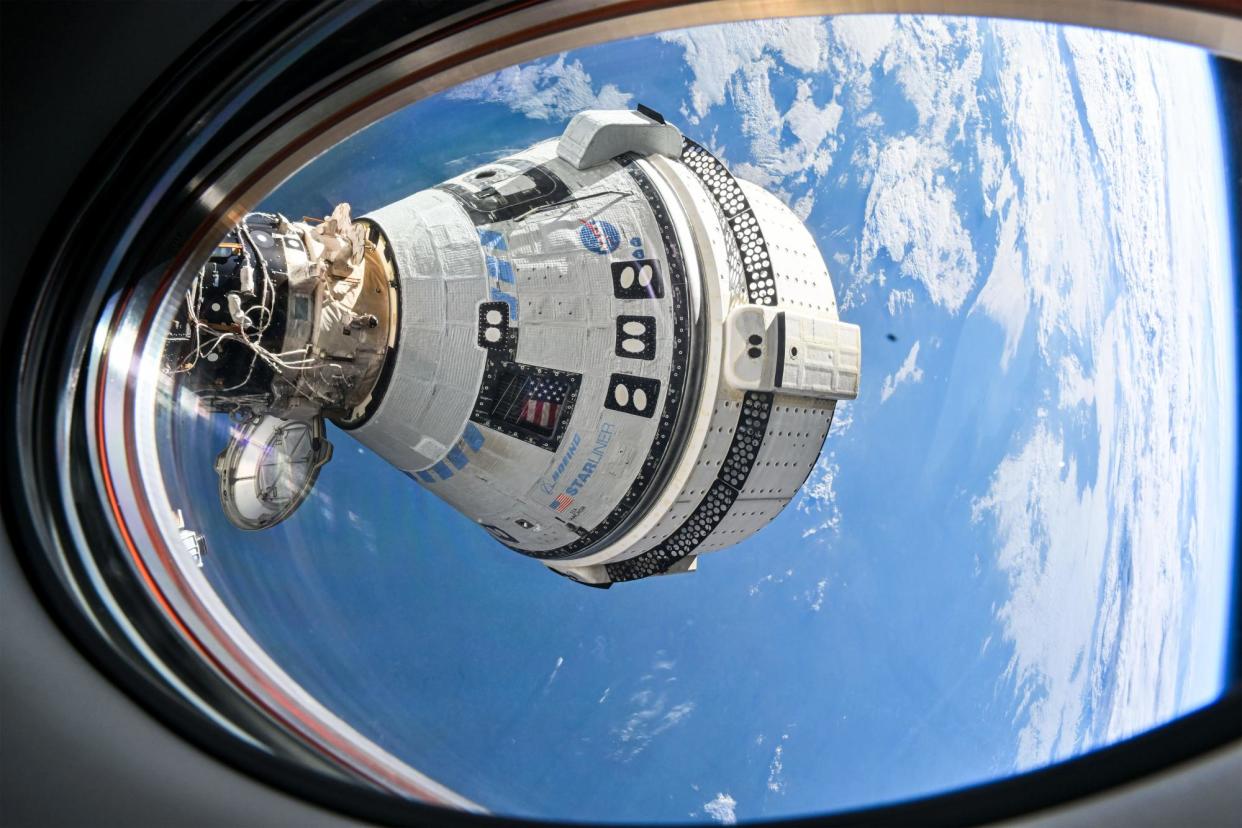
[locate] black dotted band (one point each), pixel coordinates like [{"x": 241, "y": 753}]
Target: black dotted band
[
  {"x": 744, "y": 227},
  {"x": 752, "y": 422},
  {"x": 684, "y": 540}
]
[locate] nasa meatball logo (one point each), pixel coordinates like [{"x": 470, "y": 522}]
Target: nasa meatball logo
[{"x": 599, "y": 236}]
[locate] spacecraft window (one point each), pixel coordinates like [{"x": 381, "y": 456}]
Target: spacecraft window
[{"x": 1013, "y": 547}]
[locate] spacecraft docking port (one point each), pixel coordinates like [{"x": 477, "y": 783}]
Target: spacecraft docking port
[{"x": 606, "y": 350}]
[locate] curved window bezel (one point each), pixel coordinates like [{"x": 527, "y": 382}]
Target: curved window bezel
[{"x": 207, "y": 143}]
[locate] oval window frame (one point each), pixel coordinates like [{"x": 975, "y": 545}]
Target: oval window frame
[{"x": 207, "y": 143}]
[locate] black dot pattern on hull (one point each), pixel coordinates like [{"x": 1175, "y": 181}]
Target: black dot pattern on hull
[
  {"x": 756, "y": 407},
  {"x": 752, "y": 424},
  {"x": 743, "y": 226}
]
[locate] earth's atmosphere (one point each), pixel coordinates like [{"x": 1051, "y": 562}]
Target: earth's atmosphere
[{"x": 1016, "y": 544}]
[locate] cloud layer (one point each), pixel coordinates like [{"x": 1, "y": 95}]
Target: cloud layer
[
  {"x": 553, "y": 90},
  {"x": 1100, "y": 563}
]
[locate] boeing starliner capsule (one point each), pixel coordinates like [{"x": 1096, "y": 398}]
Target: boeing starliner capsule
[{"x": 606, "y": 350}]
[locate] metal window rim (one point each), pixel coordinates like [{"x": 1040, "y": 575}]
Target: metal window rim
[{"x": 186, "y": 163}]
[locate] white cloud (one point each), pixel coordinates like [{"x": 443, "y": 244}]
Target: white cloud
[
  {"x": 770, "y": 578},
  {"x": 647, "y": 722},
  {"x": 872, "y": 120},
  {"x": 777, "y": 162},
  {"x": 899, "y": 300},
  {"x": 803, "y": 206},
  {"x": 911, "y": 214},
  {"x": 1100, "y": 569},
  {"x": 812, "y": 125},
  {"x": 862, "y": 38},
  {"x": 717, "y": 53},
  {"x": 721, "y": 809},
  {"x": 818, "y": 495},
  {"x": 816, "y": 599},
  {"x": 908, "y": 372},
  {"x": 1005, "y": 295},
  {"x": 857, "y": 42},
  {"x": 776, "y": 781},
  {"x": 1050, "y": 545},
  {"x": 842, "y": 421},
  {"x": 1053, "y": 186},
  {"x": 992, "y": 171},
  {"x": 559, "y": 661},
  {"x": 543, "y": 91},
  {"x": 937, "y": 62},
  {"x": 1075, "y": 387},
  {"x": 738, "y": 61},
  {"x": 911, "y": 211},
  {"x": 651, "y": 712}
]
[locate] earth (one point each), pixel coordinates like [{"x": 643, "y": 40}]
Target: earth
[{"x": 1016, "y": 544}]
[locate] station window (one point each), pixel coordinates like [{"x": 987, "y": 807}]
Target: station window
[{"x": 1014, "y": 547}]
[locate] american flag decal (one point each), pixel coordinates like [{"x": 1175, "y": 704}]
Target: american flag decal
[
  {"x": 562, "y": 502},
  {"x": 530, "y": 403},
  {"x": 541, "y": 401}
]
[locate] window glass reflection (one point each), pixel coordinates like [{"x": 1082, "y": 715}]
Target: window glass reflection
[{"x": 1014, "y": 547}]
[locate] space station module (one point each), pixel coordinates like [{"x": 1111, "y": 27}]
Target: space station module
[{"x": 606, "y": 350}]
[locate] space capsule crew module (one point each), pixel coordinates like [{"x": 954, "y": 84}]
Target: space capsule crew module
[{"x": 606, "y": 350}]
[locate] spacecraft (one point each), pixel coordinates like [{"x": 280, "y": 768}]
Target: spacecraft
[{"x": 606, "y": 350}]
